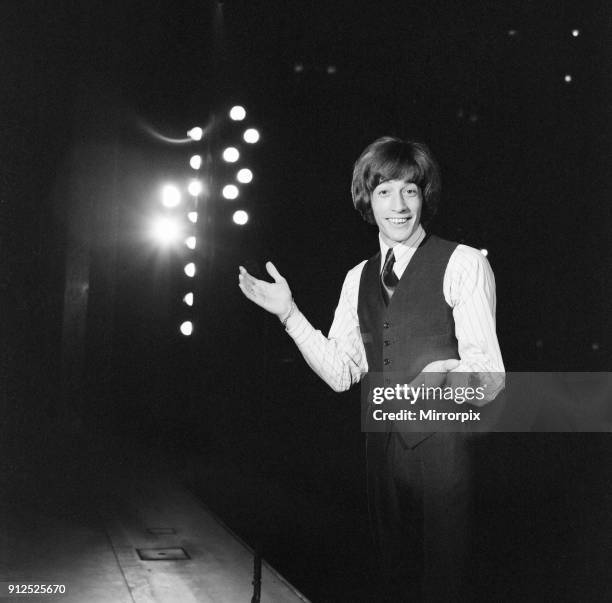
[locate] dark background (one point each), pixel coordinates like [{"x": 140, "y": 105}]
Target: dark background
[{"x": 91, "y": 308}]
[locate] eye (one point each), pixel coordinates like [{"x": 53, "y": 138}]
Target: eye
[
  {"x": 381, "y": 192},
  {"x": 411, "y": 192}
]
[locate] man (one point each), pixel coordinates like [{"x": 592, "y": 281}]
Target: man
[{"x": 421, "y": 304}]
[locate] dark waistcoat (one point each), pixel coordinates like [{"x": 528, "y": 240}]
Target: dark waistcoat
[{"x": 417, "y": 327}]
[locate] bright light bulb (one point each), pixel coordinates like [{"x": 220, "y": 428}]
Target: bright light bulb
[
  {"x": 171, "y": 196},
  {"x": 237, "y": 113},
  {"x": 251, "y": 135},
  {"x": 568, "y": 78},
  {"x": 190, "y": 270},
  {"x": 230, "y": 191},
  {"x": 240, "y": 217},
  {"x": 231, "y": 154},
  {"x": 192, "y": 216},
  {"x": 165, "y": 230},
  {"x": 190, "y": 242},
  {"x": 195, "y": 133},
  {"x": 484, "y": 252},
  {"x": 196, "y": 162},
  {"x": 244, "y": 175},
  {"x": 575, "y": 33},
  {"x": 188, "y": 299},
  {"x": 187, "y": 328},
  {"x": 195, "y": 188}
]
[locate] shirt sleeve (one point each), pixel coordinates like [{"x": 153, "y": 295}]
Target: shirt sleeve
[
  {"x": 339, "y": 359},
  {"x": 469, "y": 288}
]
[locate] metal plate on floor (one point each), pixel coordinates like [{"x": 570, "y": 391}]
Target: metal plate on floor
[
  {"x": 163, "y": 554},
  {"x": 161, "y": 531}
]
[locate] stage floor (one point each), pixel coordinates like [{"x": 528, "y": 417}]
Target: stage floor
[{"x": 85, "y": 534}]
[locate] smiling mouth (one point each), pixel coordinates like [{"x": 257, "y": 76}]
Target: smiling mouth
[{"x": 398, "y": 221}]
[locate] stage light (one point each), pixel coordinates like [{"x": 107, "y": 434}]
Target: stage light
[
  {"x": 196, "y": 162},
  {"x": 251, "y": 135},
  {"x": 195, "y": 188},
  {"x": 567, "y": 78},
  {"x": 190, "y": 242},
  {"x": 237, "y": 113},
  {"x": 298, "y": 68},
  {"x": 230, "y": 191},
  {"x": 165, "y": 230},
  {"x": 190, "y": 270},
  {"x": 575, "y": 33},
  {"x": 512, "y": 32},
  {"x": 244, "y": 175},
  {"x": 195, "y": 133},
  {"x": 595, "y": 346},
  {"x": 192, "y": 216},
  {"x": 187, "y": 328},
  {"x": 188, "y": 299},
  {"x": 240, "y": 217},
  {"x": 484, "y": 252},
  {"x": 331, "y": 69},
  {"x": 231, "y": 155},
  {"x": 171, "y": 196}
]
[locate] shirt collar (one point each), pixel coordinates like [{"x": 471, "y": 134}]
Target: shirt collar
[{"x": 401, "y": 250}]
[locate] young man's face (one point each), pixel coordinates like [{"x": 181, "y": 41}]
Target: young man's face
[{"x": 396, "y": 205}]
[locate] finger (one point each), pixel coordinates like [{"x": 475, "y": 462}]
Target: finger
[
  {"x": 450, "y": 364},
  {"x": 274, "y": 273},
  {"x": 249, "y": 294},
  {"x": 248, "y": 283},
  {"x": 249, "y": 280}
]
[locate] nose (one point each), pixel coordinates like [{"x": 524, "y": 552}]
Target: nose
[{"x": 398, "y": 203}]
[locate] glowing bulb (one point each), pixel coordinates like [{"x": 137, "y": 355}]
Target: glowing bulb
[
  {"x": 331, "y": 69},
  {"x": 195, "y": 188},
  {"x": 192, "y": 216},
  {"x": 240, "y": 217},
  {"x": 244, "y": 175},
  {"x": 188, "y": 299},
  {"x": 196, "y": 162},
  {"x": 171, "y": 196},
  {"x": 237, "y": 113},
  {"x": 484, "y": 252},
  {"x": 190, "y": 270},
  {"x": 165, "y": 230},
  {"x": 230, "y": 191},
  {"x": 568, "y": 78},
  {"x": 190, "y": 242},
  {"x": 187, "y": 328},
  {"x": 231, "y": 154},
  {"x": 195, "y": 133},
  {"x": 251, "y": 135},
  {"x": 575, "y": 33}
]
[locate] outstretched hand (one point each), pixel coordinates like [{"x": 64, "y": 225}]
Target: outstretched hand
[{"x": 274, "y": 297}]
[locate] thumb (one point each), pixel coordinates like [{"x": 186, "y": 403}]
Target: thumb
[{"x": 274, "y": 273}]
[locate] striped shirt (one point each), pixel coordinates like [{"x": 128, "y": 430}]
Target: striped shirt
[{"x": 469, "y": 289}]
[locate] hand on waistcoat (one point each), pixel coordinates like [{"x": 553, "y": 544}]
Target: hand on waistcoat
[
  {"x": 435, "y": 373},
  {"x": 274, "y": 297}
]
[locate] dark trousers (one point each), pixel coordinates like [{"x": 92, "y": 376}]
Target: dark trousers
[{"x": 420, "y": 503}]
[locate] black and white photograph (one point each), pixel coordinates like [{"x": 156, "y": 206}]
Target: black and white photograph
[{"x": 305, "y": 301}]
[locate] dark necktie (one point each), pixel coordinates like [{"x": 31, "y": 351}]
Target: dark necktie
[{"x": 388, "y": 279}]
